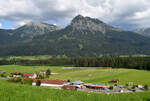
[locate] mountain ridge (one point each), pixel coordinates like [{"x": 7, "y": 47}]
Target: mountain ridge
[
  {"x": 143, "y": 31},
  {"x": 32, "y": 29},
  {"x": 26, "y": 32},
  {"x": 84, "y": 36}
]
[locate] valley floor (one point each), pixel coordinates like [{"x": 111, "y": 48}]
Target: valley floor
[{"x": 17, "y": 92}]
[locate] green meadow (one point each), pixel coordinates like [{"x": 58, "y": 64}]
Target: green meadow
[
  {"x": 17, "y": 92},
  {"x": 88, "y": 75}
]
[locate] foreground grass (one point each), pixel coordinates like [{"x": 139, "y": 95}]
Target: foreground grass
[{"x": 18, "y": 92}]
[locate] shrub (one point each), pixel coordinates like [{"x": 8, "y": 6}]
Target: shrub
[
  {"x": 111, "y": 88},
  {"x": 115, "y": 85},
  {"x": 146, "y": 87},
  {"x": 2, "y": 75},
  {"x": 68, "y": 81},
  {"x": 38, "y": 83},
  {"x": 16, "y": 80},
  {"x": 48, "y": 72}
]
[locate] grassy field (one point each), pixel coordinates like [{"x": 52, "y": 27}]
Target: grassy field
[
  {"x": 17, "y": 92},
  {"x": 89, "y": 75}
]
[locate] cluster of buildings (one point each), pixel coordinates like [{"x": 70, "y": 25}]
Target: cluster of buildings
[
  {"x": 62, "y": 84},
  {"x": 26, "y": 75},
  {"x": 76, "y": 85}
]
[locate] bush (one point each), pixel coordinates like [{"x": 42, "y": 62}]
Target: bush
[
  {"x": 48, "y": 72},
  {"x": 146, "y": 87},
  {"x": 111, "y": 88},
  {"x": 3, "y": 75},
  {"x": 16, "y": 80},
  {"x": 68, "y": 81},
  {"x": 38, "y": 83},
  {"x": 115, "y": 85}
]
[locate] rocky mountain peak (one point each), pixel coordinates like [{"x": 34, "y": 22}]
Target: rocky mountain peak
[
  {"x": 84, "y": 20},
  {"x": 32, "y": 29},
  {"x": 41, "y": 25},
  {"x": 87, "y": 23}
]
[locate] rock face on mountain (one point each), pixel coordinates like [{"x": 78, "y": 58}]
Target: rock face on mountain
[
  {"x": 145, "y": 32},
  {"x": 84, "y": 36},
  {"x": 91, "y": 24}
]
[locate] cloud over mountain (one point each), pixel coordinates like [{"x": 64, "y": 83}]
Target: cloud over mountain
[{"x": 122, "y": 13}]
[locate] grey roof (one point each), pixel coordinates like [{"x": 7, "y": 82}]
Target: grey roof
[
  {"x": 78, "y": 82},
  {"x": 66, "y": 83}
]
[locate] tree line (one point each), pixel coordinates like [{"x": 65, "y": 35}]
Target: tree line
[{"x": 142, "y": 63}]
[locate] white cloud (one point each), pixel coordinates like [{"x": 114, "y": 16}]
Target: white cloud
[
  {"x": 0, "y": 25},
  {"x": 123, "y": 13}
]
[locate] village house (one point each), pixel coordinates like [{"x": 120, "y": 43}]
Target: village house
[
  {"x": 77, "y": 83},
  {"x": 43, "y": 72},
  {"x": 16, "y": 74},
  {"x": 140, "y": 86},
  {"x": 96, "y": 86},
  {"x": 49, "y": 83},
  {"x": 30, "y": 75}
]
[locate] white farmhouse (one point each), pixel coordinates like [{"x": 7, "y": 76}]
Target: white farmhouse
[{"x": 49, "y": 83}]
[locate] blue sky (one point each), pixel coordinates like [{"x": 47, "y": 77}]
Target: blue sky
[
  {"x": 5, "y": 24},
  {"x": 125, "y": 14}
]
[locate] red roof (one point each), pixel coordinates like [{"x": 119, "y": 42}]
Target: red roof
[
  {"x": 43, "y": 71},
  {"x": 28, "y": 74},
  {"x": 59, "y": 82},
  {"x": 70, "y": 87},
  {"x": 107, "y": 67}
]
